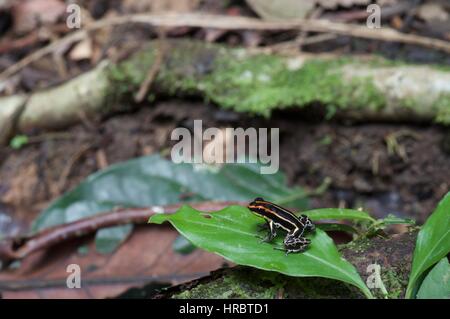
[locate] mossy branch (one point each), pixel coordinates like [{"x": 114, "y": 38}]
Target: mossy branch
[{"x": 356, "y": 89}]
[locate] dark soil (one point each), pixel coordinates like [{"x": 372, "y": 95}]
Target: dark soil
[{"x": 407, "y": 179}]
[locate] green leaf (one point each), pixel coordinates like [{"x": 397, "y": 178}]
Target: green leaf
[
  {"x": 338, "y": 213},
  {"x": 436, "y": 284},
  {"x": 18, "y": 141},
  {"x": 432, "y": 244},
  {"x": 394, "y": 220},
  {"x": 153, "y": 180},
  {"x": 232, "y": 232}
]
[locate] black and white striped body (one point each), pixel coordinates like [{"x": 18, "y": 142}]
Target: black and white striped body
[{"x": 279, "y": 217}]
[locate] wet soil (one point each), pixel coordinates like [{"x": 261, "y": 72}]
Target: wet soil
[{"x": 396, "y": 169}]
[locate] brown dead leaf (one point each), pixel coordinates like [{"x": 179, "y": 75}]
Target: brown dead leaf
[
  {"x": 147, "y": 256},
  {"x": 29, "y": 14}
]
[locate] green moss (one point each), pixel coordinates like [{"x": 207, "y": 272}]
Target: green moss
[
  {"x": 262, "y": 83},
  {"x": 443, "y": 109},
  {"x": 245, "y": 283},
  {"x": 394, "y": 283},
  {"x": 258, "y": 83},
  {"x": 357, "y": 246},
  {"x": 251, "y": 83}
]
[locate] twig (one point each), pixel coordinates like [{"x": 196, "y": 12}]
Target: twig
[
  {"x": 319, "y": 38},
  {"x": 18, "y": 248},
  {"x": 293, "y": 45},
  {"x": 36, "y": 55},
  {"x": 304, "y": 33},
  {"x": 102, "y": 161},
  {"x": 10, "y": 44},
  {"x": 50, "y": 136},
  {"x": 154, "y": 69},
  {"x": 172, "y": 20}
]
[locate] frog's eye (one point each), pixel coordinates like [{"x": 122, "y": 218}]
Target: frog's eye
[{"x": 259, "y": 199}]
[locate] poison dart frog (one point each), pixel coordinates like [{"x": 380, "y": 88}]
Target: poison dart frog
[{"x": 279, "y": 217}]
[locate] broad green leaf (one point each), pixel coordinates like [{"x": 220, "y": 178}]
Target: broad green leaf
[
  {"x": 432, "y": 244},
  {"x": 232, "y": 232},
  {"x": 338, "y": 213},
  {"x": 436, "y": 284},
  {"x": 153, "y": 180}
]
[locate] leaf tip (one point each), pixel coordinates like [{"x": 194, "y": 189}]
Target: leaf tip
[{"x": 157, "y": 219}]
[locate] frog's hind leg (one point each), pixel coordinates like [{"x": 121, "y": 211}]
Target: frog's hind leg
[{"x": 294, "y": 244}]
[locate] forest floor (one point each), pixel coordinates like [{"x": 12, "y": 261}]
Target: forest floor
[{"x": 384, "y": 168}]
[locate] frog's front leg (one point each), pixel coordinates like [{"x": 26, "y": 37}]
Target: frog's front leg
[
  {"x": 272, "y": 232},
  {"x": 263, "y": 227}
]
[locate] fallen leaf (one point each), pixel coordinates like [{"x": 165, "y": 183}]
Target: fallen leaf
[{"x": 147, "y": 257}]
